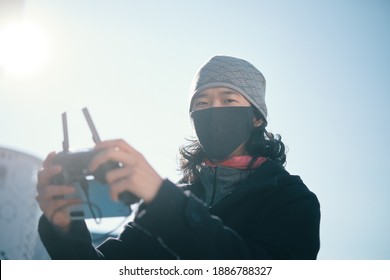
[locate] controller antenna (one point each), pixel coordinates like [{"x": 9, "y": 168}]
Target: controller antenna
[
  {"x": 65, "y": 142},
  {"x": 95, "y": 135}
]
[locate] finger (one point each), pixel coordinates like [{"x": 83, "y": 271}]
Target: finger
[
  {"x": 116, "y": 143},
  {"x": 117, "y": 174},
  {"x": 45, "y": 175},
  {"x": 127, "y": 179},
  {"x": 52, "y": 205},
  {"x": 112, "y": 154},
  {"x": 58, "y": 211},
  {"x": 120, "y": 186},
  {"x": 50, "y": 192},
  {"x": 48, "y": 160}
]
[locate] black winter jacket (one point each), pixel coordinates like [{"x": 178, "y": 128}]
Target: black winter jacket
[{"x": 271, "y": 215}]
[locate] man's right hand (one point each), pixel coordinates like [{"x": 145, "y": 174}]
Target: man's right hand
[{"x": 51, "y": 197}]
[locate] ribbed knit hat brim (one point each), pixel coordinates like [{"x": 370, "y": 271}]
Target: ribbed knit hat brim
[{"x": 234, "y": 73}]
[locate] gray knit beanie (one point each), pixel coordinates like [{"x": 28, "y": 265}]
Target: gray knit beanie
[{"x": 234, "y": 73}]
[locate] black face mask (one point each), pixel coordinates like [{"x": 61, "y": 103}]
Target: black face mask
[{"x": 221, "y": 130}]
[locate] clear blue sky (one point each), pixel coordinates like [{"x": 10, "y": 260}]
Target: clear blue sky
[{"x": 131, "y": 63}]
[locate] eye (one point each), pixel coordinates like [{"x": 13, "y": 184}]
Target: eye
[
  {"x": 200, "y": 104},
  {"x": 229, "y": 100}
]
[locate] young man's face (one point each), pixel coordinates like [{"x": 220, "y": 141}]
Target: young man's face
[
  {"x": 221, "y": 97},
  {"x": 218, "y": 97}
]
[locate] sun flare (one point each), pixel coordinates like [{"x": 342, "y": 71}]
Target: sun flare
[{"x": 24, "y": 48}]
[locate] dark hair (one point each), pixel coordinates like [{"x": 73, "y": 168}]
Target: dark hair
[{"x": 260, "y": 144}]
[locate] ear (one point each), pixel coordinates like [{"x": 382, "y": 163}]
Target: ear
[{"x": 257, "y": 122}]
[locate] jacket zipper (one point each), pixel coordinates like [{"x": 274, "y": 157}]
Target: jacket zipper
[{"x": 214, "y": 187}]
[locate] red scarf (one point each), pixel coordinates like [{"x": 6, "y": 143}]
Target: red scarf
[{"x": 238, "y": 162}]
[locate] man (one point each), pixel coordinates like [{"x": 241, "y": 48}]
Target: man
[{"x": 238, "y": 202}]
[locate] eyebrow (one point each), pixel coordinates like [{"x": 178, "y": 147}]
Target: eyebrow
[
  {"x": 225, "y": 92},
  {"x": 230, "y": 92}
]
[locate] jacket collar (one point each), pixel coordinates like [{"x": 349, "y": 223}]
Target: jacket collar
[{"x": 270, "y": 174}]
